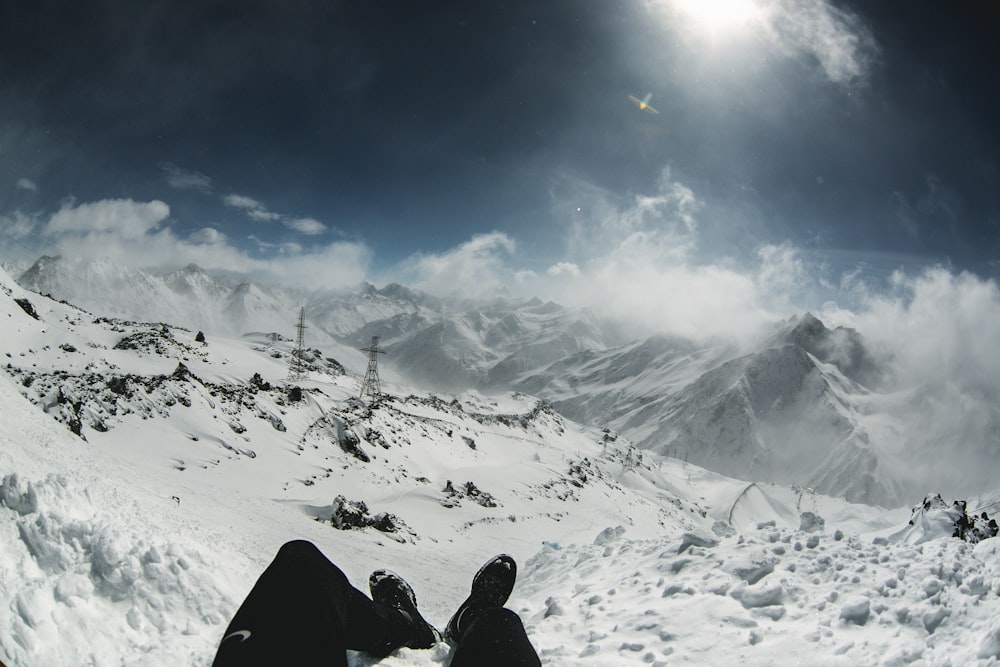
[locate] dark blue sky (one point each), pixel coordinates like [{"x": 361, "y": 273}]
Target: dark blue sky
[{"x": 855, "y": 132}]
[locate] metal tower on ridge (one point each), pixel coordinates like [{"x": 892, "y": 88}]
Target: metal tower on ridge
[
  {"x": 370, "y": 385},
  {"x": 297, "y": 369}
]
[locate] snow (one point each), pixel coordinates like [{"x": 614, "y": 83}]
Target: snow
[
  {"x": 135, "y": 545},
  {"x": 805, "y": 405}
]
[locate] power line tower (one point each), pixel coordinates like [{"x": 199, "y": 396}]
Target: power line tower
[
  {"x": 370, "y": 385},
  {"x": 297, "y": 368}
]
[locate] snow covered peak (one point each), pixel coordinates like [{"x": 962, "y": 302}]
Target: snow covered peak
[
  {"x": 843, "y": 347},
  {"x": 100, "y": 285},
  {"x": 397, "y": 291},
  {"x": 195, "y": 283}
]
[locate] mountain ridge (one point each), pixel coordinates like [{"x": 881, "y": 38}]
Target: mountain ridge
[{"x": 807, "y": 404}]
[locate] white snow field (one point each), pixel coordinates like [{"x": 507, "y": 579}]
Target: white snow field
[{"x": 133, "y": 542}]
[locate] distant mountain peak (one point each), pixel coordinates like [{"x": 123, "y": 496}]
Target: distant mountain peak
[
  {"x": 397, "y": 291},
  {"x": 808, "y": 320},
  {"x": 42, "y": 265},
  {"x": 841, "y": 346},
  {"x": 243, "y": 288}
]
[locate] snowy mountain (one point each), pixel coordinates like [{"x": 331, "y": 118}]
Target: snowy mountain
[
  {"x": 124, "y": 292},
  {"x": 787, "y": 413},
  {"x": 189, "y": 297},
  {"x": 807, "y": 405},
  {"x": 487, "y": 346},
  {"x": 441, "y": 345},
  {"x": 347, "y": 314},
  {"x": 146, "y": 479}
]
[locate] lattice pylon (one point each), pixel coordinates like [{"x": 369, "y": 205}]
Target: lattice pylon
[
  {"x": 297, "y": 368},
  {"x": 370, "y": 385}
]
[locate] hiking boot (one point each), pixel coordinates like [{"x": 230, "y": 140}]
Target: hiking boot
[
  {"x": 490, "y": 589},
  {"x": 390, "y": 590}
]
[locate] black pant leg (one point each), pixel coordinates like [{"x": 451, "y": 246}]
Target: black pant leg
[
  {"x": 495, "y": 639},
  {"x": 304, "y": 611}
]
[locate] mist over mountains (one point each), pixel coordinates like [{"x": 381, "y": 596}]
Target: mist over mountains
[{"x": 806, "y": 405}]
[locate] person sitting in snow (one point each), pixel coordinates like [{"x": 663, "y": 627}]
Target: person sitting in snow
[{"x": 304, "y": 611}]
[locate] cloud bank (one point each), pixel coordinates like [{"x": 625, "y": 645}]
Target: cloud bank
[
  {"x": 113, "y": 218},
  {"x": 139, "y": 234},
  {"x": 935, "y": 332},
  {"x": 480, "y": 267}
]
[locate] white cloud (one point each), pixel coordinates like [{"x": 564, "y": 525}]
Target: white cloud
[
  {"x": 253, "y": 208},
  {"x": 207, "y": 235},
  {"x": 27, "y": 184},
  {"x": 132, "y": 234},
  {"x": 186, "y": 179},
  {"x": 564, "y": 268},
  {"x": 632, "y": 285},
  {"x": 124, "y": 218},
  {"x": 936, "y": 332},
  {"x": 256, "y": 210},
  {"x": 937, "y": 324},
  {"x": 839, "y": 40},
  {"x": 782, "y": 271},
  {"x": 305, "y": 225},
  {"x": 333, "y": 265},
  {"x": 263, "y": 215},
  {"x": 477, "y": 267},
  {"x": 524, "y": 276},
  {"x": 664, "y": 219},
  {"x": 17, "y": 225},
  {"x": 633, "y": 259},
  {"x": 283, "y": 248},
  {"x": 242, "y": 201}
]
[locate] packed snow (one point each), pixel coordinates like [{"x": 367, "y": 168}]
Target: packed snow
[{"x": 144, "y": 486}]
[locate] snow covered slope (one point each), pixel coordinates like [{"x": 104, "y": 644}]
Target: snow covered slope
[
  {"x": 134, "y": 541},
  {"x": 487, "y": 346},
  {"x": 788, "y": 413},
  {"x": 808, "y": 405},
  {"x": 187, "y": 297}
]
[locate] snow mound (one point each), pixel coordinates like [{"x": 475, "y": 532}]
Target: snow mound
[
  {"x": 84, "y": 580},
  {"x": 765, "y": 597}
]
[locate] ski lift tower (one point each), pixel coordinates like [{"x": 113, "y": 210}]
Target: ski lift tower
[
  {"x": 370, "y": 385},
  {"x": 297, "y": 369}
]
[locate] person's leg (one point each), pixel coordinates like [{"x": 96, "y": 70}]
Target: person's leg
[
  {"x": 495, "y": 638},
  {"x": 304, "y": 611},
  {"x": 482, "y": 631}
]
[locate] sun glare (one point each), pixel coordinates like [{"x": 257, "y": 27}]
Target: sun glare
[{"x": 719, "y": 14}]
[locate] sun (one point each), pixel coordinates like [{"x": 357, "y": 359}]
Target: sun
[{"x": 720, "y": 15}]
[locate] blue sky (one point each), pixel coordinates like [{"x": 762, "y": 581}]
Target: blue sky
[{"x": 801, "y": 149}]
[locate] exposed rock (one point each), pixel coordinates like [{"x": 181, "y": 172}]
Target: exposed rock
[
  {"x": 354, "y": 514},
  {"x": 27, "y": 307}
]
